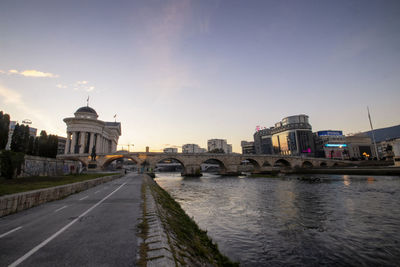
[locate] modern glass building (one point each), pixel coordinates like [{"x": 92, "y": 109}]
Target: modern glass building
[
  {"x": 263, "y": 142},
  {"x": 291, "y": 136}
]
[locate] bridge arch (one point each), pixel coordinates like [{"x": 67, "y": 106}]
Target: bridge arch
[
  {"x": 266, "y": 164},
  {"x": 323, "y": 164},
  {"x": 253, "y": 162},
  {"x": 110, "y": 159},
  {"x": 282, "y": 163},
  {"x": 214, "y": 160},
  {"x": 166, "y": 158},
  {"x": 307, "y": 165},
  {"x": 83, "y": 162}
]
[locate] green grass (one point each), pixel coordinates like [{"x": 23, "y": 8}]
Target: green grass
[
  {"x": 143, "y": 231},
  {"x": 18, "y": 185},
  {"x": 194, "y": 242}
]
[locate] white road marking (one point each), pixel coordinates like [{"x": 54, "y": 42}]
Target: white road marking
[
  {"x": 35, "y": 249},
  {"x": 97, "y": 191},
  {"x": 84, "y": 198},
  {"x": 11, "y": 231},
  {"x": 60, "y": 209}
]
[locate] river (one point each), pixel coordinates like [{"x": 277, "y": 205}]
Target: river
[{"x": 335, "y": 220}]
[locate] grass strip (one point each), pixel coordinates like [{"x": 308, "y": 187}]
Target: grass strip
[
  {"x": 143, "y": 227},
  {"x": 24, "y": 184},
  {"x": 195, "y": 247}
]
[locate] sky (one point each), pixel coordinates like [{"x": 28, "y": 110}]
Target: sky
[{"x": 182, "y": 71}]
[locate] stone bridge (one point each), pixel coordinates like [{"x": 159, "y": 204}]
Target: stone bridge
[{"x": 229, "y": 163}]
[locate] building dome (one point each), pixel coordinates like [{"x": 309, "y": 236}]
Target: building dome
[
  {"x": 86, "y": 110},
  {"x": 86, "y": 113}
]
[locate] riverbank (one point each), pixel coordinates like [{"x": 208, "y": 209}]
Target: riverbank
[
  {"x": 390, "y": 171},
  {"x": 170, "y": 236}
]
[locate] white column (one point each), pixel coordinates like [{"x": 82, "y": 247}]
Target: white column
[
  {"x": 91, "y": 142},
  {"x": 82, "y": 148},
  {"x": 102, "y": 145},
  {"x": 74, "y": 135},
  {"x": 98, "y": 144},
  {"x": 113, "y": 146},
  {"x": 68, "y": 144}
]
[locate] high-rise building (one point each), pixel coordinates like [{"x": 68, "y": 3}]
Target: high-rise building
[
  {"x": 291, "y": 136},
  {"x": 213, "y": 144},
  {"x": 263, "y": 142},
  {"x": 247, "y": 147}
]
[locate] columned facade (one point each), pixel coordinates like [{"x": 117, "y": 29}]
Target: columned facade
[{"x": 85, "y": 134}]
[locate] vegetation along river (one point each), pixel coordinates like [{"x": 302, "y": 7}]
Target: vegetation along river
[{"x": 296, "y": 220}]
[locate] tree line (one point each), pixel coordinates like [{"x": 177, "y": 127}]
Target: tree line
[{"x": 21, "y": 141}]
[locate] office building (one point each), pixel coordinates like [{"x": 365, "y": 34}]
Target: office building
[{"x": 221, "y": 144}]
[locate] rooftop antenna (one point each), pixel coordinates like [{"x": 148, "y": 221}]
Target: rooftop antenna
[
  {"x": 115, "y": 118},
  {"x": 87, "y": 101},
  {"x": 373, "y": 134}
]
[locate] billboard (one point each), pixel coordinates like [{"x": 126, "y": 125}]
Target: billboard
[{"x": 329, "y": 133}]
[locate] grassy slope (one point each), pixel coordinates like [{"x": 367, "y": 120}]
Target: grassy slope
[
  {"x": 193, "y": 243},
  {"x": 11, "y": 186}
]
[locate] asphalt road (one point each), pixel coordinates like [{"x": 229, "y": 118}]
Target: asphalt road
[{"x": 96, "y": 227}]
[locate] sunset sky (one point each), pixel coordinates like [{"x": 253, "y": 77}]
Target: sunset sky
[{"x": 184, "y": 71}]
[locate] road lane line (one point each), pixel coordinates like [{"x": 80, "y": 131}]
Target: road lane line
[
  {"x": 35, "y": 249},
  {"x": 60, "y": 209},
  {"x": 84, "y": 198},
  {"x": 97, "y": 191},
  {"x": 11, "y": 231}
]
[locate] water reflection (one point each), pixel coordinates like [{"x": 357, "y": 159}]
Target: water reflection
[
  {"x": 339, "y": 220},
  {"x": 346, "y": 180}
]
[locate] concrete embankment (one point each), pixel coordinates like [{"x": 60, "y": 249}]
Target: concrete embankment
[
  {"x": 16, "y": 202},
  {"x": 353, "y": 171},
  {"x": 170, "y": 237}
]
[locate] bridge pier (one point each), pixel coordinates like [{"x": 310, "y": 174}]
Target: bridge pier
[
  {"x": 192, "y": 170},
  {"x": 230, "y": 170}
]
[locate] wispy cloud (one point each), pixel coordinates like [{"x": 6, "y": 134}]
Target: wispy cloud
[
  {"x": 62, "y": 86},
  {"x": 83, "y": 85},
  {"x": 9, "y": 96},
  {"x": 32, "y": 73},
  {"x": 15, "y": 99}
]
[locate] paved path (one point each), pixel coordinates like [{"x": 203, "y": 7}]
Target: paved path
[{"x": 96, "y": 227}]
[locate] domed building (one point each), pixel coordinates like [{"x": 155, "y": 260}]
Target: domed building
[{"x": 87, "y": 134}]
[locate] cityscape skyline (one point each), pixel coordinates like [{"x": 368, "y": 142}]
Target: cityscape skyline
[{"x": 178, "y": 72}]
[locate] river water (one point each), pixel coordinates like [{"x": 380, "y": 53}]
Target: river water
[{"x": 340, "y": 220}]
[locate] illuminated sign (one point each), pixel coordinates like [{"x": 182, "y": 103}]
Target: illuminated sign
[
  {"x": 324, "y": 133},
  {"x": 336, "y": 145}
]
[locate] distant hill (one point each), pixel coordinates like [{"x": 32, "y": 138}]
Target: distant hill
[{"x": 385, "y": 133}]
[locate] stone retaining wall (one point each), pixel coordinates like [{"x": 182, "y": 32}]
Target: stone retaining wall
[
  {"x": 39, "y": 166},
  {"x": 20, "y": 201}
]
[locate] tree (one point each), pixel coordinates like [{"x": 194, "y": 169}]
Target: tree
[
  {"x": 20, "y": 138},
  {"x": 35, "y": 151},
  {"x": 43, "y": 144},
  {"x": 10, "y": 163},
  {"x": 4, "y": 129},
  {"x": 31, "y": 144},
  {"x": 52, "y": 146}
]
